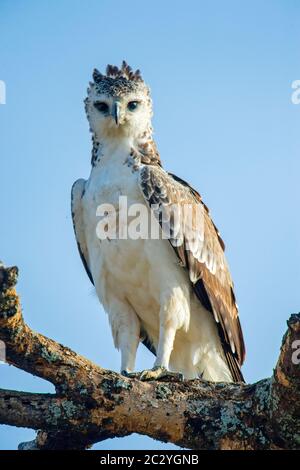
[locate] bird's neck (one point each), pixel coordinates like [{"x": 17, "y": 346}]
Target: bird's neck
[{"x": 142, "y": 148}]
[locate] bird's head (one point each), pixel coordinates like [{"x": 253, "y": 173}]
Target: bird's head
[{"x": 118, "y": 103}]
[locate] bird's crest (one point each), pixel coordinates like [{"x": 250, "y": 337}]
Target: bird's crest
[
  {"x": 112, "y": 71},
  {"x": 119, "y": 81}
]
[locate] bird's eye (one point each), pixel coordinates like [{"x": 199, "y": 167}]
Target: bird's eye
[
  {"x": 101, "y": 106},
  {"x": 132, "y": 105}
]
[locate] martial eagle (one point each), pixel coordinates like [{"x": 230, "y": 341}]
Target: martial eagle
[{"x": 175, "y": 295}]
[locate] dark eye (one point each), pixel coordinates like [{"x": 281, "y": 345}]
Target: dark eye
[
  {"x": 101, "y": 106},
  {"x": 132, "y": 105}
]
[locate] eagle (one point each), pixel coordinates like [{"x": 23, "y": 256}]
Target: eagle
[{"x": 175, "y": 293}]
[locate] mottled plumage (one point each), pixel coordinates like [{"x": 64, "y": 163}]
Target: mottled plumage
[{"x": 174, "y": 295}]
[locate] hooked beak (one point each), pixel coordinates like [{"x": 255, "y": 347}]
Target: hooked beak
[{"x": 116, "y": 112}]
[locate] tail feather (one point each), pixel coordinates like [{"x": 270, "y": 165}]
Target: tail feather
[{"x": 234, "y": 366}]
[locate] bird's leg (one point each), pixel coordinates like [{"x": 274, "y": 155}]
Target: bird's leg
[
  {"x": 128, "y": 348},
  {"x": 126, "y": 333},
  {"x": 160, "y": 370},
  {"x": 165, "y": 346},
  {"x": 169, "y": 323}
]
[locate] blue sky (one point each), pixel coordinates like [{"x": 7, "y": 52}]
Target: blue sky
[{"x": 221, "y": 75}]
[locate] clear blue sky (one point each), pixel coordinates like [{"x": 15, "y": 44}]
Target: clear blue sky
[{"x": 220, "y": 74}]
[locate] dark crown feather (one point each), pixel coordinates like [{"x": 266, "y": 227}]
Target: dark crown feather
[{"x": 125, "y": 71}]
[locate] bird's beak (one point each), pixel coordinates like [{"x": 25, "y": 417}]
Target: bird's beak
[{"x": 116, "y": 112}]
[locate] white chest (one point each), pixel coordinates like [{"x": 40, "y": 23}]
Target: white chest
[{"x": 125, "y": 263}]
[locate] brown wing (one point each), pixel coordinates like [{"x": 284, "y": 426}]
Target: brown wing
[{"x": 200, "y": 250}]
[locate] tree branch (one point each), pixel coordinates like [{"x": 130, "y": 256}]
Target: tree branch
[
  {"x": 37, "y": 410},
  {"x": 92, "y": 404}
]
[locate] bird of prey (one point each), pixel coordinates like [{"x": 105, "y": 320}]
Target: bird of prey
[{"x": 174, "y": 294}]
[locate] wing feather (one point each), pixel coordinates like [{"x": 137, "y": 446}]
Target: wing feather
[{"x": 200, "y": 250}]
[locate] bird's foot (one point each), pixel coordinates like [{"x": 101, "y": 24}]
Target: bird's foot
[
  {"x": 156, "y": 373},
  {"x": 160, "y": 373},
  {"x": 131, "y": 375}
]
